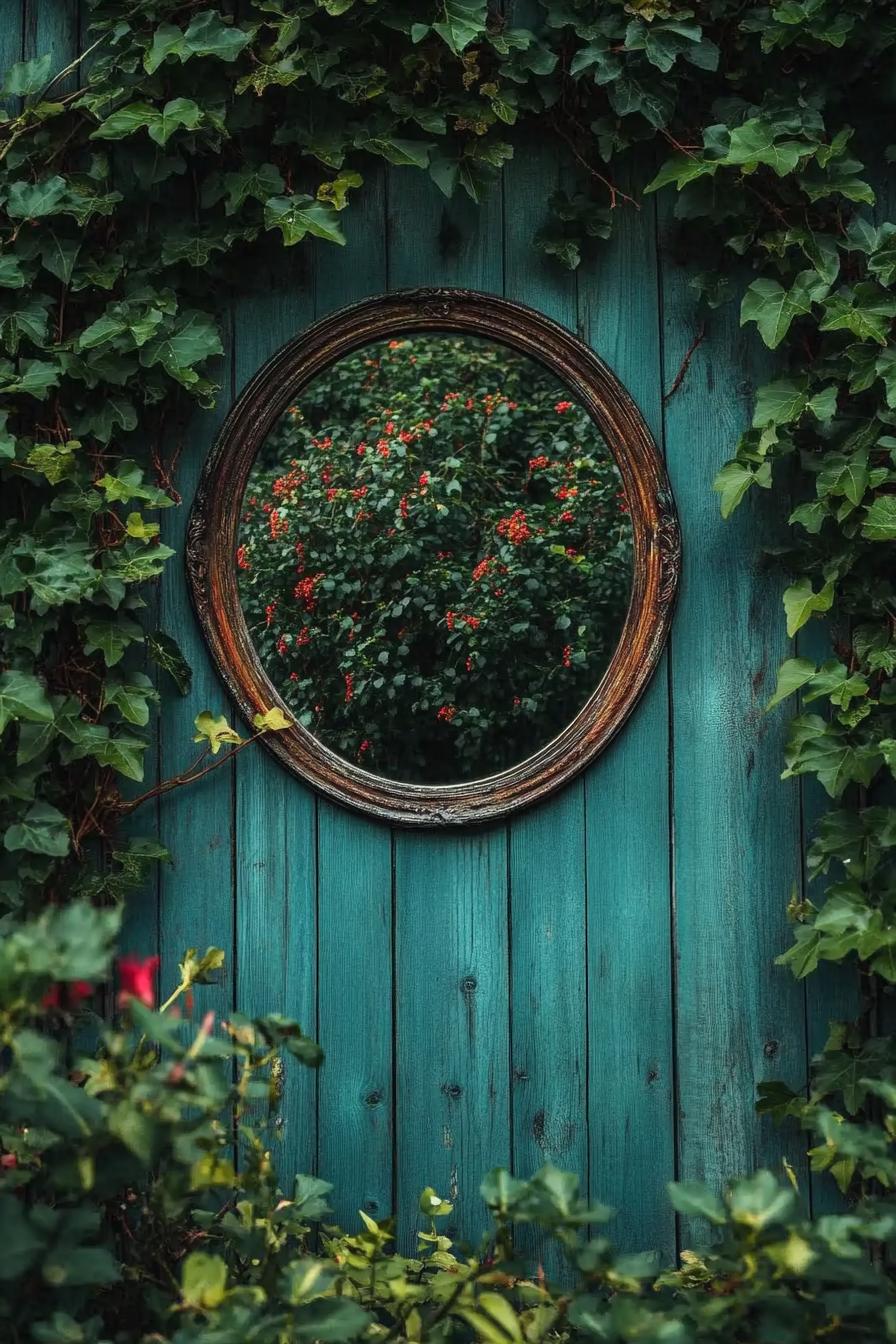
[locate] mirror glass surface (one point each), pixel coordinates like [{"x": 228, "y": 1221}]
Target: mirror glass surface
[{"x": 435, "y": 557}]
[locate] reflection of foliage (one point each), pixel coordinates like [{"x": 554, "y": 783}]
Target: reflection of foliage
[{"x": 435, "y": 557}]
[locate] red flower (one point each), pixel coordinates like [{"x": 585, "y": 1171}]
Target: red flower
[
  {"x": 515, "y": 528},
  {"x": 136, "y": 978},
  {"x": 481, "y": 569}
]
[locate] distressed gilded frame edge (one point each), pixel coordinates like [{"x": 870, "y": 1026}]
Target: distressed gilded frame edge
[{"x": 213, "y": 525}]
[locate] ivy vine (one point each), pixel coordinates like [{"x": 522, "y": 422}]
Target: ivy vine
[{"x": 190, "y": 135}]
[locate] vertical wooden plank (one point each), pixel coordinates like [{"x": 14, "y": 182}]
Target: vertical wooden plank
[
  {"x": 740, "y": 1019},
  {"x": 451, "y": 979},
  {"x": 547, "y": 846},
  {"x": 53, "y": 26},
  {"x": 276, "y": 816},
  {"x": 434, "y": 241},
  {"x": 196, "y": 822},
  {"x": 12, "y": 35},
  {"x": 630, "y": 1001},
  {"x": 451, "y": 969},
  {"x": 356, "y": 1095}
]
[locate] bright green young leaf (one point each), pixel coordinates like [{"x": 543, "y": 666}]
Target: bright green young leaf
[
  {"x": 215, "y": 731},
  {"x": 801, "y": 602},
  {"x": 734, "y": 480},
  {"x": 792, "y": 674},
  {"x": 273, "y": 720}
]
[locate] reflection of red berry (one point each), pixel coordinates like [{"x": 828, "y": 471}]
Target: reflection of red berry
[
  {"x": 447, "y": 713},
  {"x": 563, "y": 406}
]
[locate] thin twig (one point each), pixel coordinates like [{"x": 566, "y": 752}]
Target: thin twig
[
  {"x": 616, "y": 193},
  {"x": 685, "y": 364}
]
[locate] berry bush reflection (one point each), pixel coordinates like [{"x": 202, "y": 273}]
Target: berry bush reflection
[{"x": 435, "y": 557}]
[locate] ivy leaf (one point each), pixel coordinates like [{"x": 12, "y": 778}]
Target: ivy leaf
[
  {"x": 757, "y": 141},
  {"x": 111, "y": 638},
  {"x": 178, "y": 114},
  {"x": 22, "y": 696},
  {"x": 27, "y": 77},
  {"x": 801, "y": 602},
  {"x": 167, "y": 40},
  {"x": 43, "y": 830},
  {"x": 11, "y": 274},
  {"x": 413, "y": 153},
  {"x": 880, "y": 520},
  {"x": 462, "y": 24},
  {"x": 273, "y": 720},
  {"x": 131, "y": 697},
  {"x": 735, "y": 479},
  {"x": 35, "y": 378},
  {"x": 297, "y": 216},
  {"x": 165, "y": 653},
  {"x": 192, "y": 340},
  {"x": 867, "y": 311},
  {"x": 215, "y": 731},
  {"x": 781, "y": 402},
  {"x": 209, "y": 35},
  {"x": 680, "y": 170},
  {"x": 774, "y": 308},
  {"x": 792, "y": 674},
  {"x": 654, "y": 102},
  {"x": 123, "y": 754},
  {"x": 695, "y": 1200},
  {"x": 125, "y": 121},
  {"x": 256, "y": 184},
  {"x": 842, "y": 475}
]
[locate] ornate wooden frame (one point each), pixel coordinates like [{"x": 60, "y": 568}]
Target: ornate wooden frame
[{"x": 214, "y": 522}]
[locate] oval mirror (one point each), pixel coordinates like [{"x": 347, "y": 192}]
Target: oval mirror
[{"x": 436, "y": 531}]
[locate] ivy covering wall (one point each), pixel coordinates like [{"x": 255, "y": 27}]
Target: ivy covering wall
[{"x": 133, "y": 188}]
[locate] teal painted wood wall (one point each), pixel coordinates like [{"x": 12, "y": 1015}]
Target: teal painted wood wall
[{"x": 591, "y": 984}]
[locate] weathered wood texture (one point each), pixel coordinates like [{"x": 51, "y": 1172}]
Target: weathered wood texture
[{"x": 592, "y": 982}]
